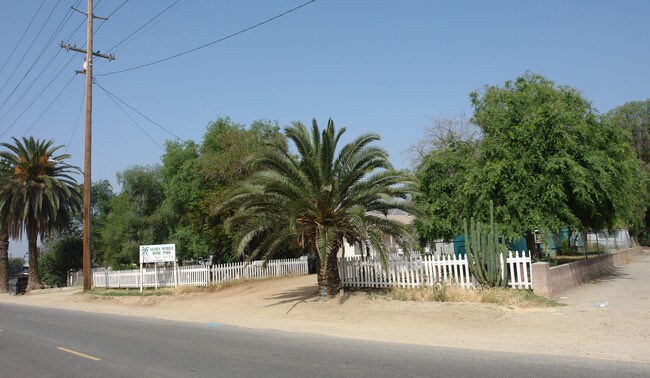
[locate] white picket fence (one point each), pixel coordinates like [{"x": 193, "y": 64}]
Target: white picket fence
[
  {"x": 416, "y": 271},
  {"x": 256, "y": 269},
  {"x": 195, "y": 275}
]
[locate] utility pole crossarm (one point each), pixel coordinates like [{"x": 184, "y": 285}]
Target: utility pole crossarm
[{"x": 70, "y": 47}]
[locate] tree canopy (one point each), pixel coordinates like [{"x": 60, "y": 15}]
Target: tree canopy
[
  {"x": 547, "y": 159},
  {"x": 176, "y": 201},
  {"x": 38, "y": 196},
  {"x": 318, "y": 199},
  {"x": 635, "y": 117}
]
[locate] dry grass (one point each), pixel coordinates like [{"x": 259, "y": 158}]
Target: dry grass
[
  {"x": 451, "y": 293},
  {"x": 181, "y": 290}
]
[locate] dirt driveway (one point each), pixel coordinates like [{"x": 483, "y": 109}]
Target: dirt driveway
[{"x": 607, "y": 318}]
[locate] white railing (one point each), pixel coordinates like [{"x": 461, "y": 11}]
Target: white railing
[
  {"x": 196, "y": 275},
  {"x": 418, "y": 271}
]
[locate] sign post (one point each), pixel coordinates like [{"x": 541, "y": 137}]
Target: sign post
[{"x": 155, "y": 254}]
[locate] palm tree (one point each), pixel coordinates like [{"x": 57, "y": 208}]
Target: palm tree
[
  {"x": 38, "y": 196},
  {"x": 319, "y": 199},
  {"x": 4, "y": 238},
  {"x": 4, "y": 259}
]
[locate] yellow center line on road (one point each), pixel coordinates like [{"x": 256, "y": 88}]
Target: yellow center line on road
[{"x": 79, "y": 354}]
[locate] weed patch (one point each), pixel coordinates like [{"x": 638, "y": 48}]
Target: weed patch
[{"x": 452, "y": 293}]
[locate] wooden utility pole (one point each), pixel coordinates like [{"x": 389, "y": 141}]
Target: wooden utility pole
[
  {"x": 88, "y": 67},
  {"x": 88, "y": 140}
]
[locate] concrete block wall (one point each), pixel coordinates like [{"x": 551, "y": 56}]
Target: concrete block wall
[{"x": 550, "y": 282}]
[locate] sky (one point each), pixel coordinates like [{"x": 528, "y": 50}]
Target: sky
[{"x": 381, "y": 66}]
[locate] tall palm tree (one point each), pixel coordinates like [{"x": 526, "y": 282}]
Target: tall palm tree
[
  {"x": 38, "y": 196},
  {"x": 4, "y": 258},
  {"x": 4, "y": 238},
  {"x": 318, "y": 199}
]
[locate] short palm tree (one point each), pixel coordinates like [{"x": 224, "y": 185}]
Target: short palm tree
[
  {"x": 38, "y": 195},
  {"x": 320, "y": 198}
]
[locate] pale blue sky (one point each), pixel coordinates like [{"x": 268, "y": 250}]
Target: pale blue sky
[{"x": 381, "y": 66}]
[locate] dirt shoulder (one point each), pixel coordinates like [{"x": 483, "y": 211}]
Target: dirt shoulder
[{"x": 607, "y": 318}]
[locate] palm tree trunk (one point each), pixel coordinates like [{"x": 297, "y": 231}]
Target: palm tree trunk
[
  {"x": 4, "y": 259},
  {"x": 328, "y": 277},
  {"x": 34, "y": 280}
]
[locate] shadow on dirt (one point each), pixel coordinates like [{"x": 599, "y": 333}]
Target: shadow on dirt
[{"x": 299, "y": 294}]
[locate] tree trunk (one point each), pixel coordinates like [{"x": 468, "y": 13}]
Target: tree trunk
[
  {"x": 34, "y": 279},
  {"x": 4, "y": 260},
  {"x": 328, "y": 278},
  {"x": 530, "y": 244}
]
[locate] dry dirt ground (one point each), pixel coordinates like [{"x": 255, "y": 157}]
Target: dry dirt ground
[{"x": 606, "y": 318}]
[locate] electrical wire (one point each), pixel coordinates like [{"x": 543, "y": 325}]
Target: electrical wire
[
  {"x": 58, "y": 29},
  {"x": 37, "y": 97},
  {"x": 22, "y": 36},
  {"x": 135, "y": 110},
  {"x": 61, "y": 105},
  {"x": 109, "y": 16},
  {"x": 211, "y": 43},
  {"x": 30, "y": 86},
  {"x": 27, "y": 51},
  {"x": 145, "y": 24},
  {"x": 131, "y": 118},
  {"x": 76, "y": 124},
  {"x": 48, "y": 107}
]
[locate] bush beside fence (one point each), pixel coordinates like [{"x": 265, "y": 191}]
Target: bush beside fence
[{"x": 428, "y": 270}]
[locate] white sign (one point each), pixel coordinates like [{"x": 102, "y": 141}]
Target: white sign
[{"x": 157, "y": 253}]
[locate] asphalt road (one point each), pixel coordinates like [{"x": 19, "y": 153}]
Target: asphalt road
[{"x": 39, "y": 342}]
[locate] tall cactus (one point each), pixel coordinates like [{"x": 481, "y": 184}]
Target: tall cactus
[{"x": 484, "y": 253}]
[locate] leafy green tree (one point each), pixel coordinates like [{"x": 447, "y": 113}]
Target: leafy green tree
[
  {"x": 318, "y": 199},
  {"x": 39, "y": 196},
  {"x": 101, "y": 195},
  {"x": 15, "y": 265},
  {"x": 547, "y": 159},
  {"x": 195, "y": 178},
  {"x": 59, "y": 258},
  {"x": 184, "y": 188},
  {"x": 635, "y": 118},
  {"x": 443, "y": 176},
  {"x": 134, "y": 218}
]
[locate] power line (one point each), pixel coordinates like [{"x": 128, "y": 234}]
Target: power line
[
  {"x": 109, "y": 16},
  {"x": 131, "y": 118},
  {"x": 22, "y": 36},
  {"x": 135, "y": 110},
  {"x": 118, "y": 8},
  {"x": 62, "y": 23},
  {"x": 74, "y": 31},
  {"x": 37, "y": 97},
  {"x": 145, "y": 24},
  {"x": 32, "y": 84},
  {"x": 76, "y": 124},
  {"x": 213, "y": 42},
  {"x": 49, "y": 106},
  {"x": 26, "y": 52},
  {"x": 61, "y": 105}
]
